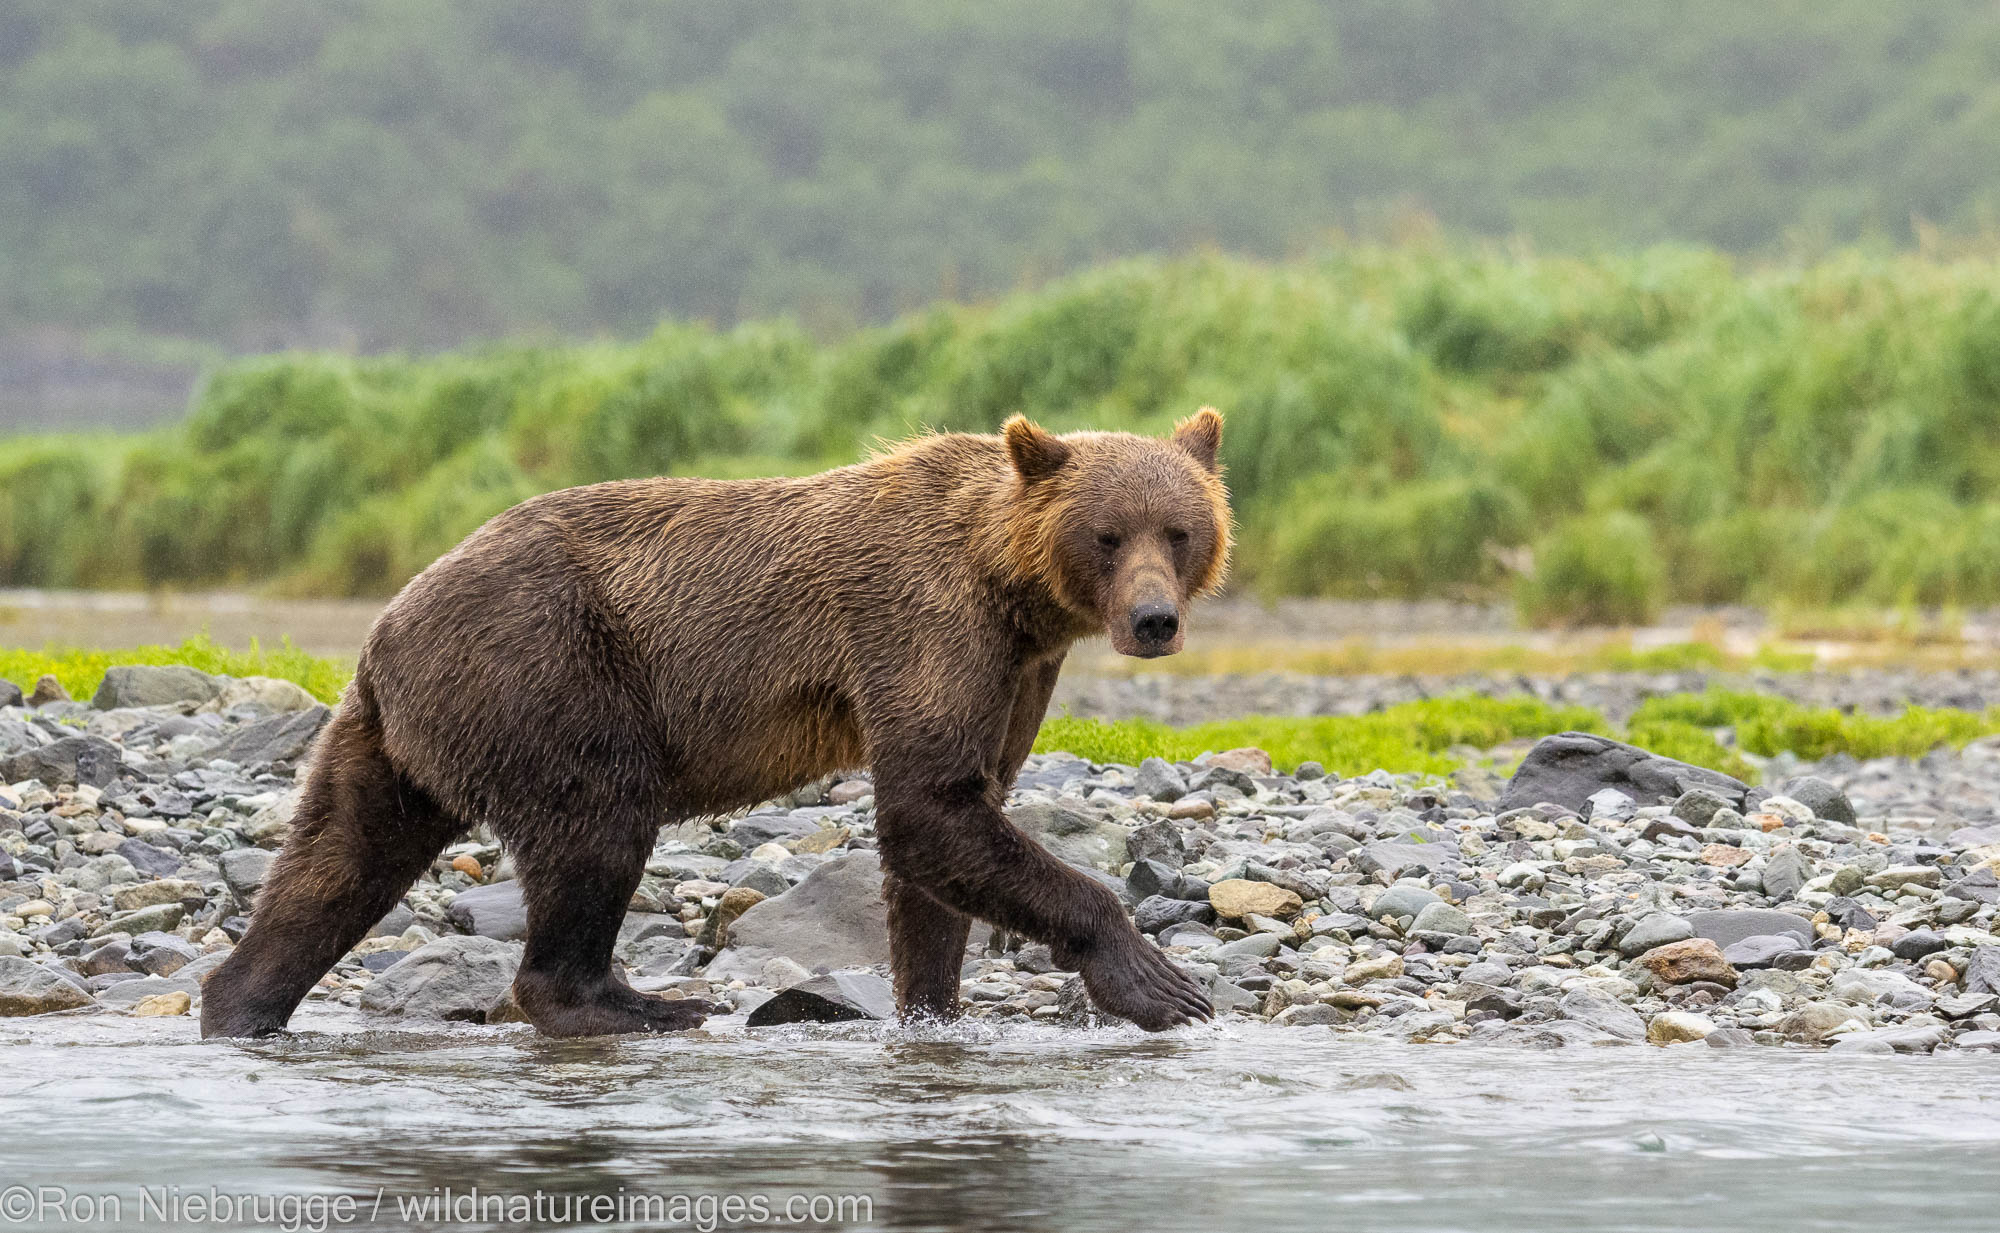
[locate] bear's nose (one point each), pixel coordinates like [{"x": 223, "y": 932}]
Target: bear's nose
[{"x": 1155, "y": 624}]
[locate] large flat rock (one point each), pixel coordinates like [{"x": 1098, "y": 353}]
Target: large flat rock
[{"x": 833, "y": 919}]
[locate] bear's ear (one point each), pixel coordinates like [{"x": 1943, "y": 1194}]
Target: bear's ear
[
  {"x": 1200, "y": 434},
  {"x": 1037, "y": 454}
]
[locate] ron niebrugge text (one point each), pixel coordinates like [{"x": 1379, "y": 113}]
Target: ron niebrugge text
[{"x": 43, "y": 1206}]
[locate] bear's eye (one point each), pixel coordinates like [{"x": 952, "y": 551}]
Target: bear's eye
[
  {"x": 1177, "y": 537},
  {"x": 1108, "y": 540}
]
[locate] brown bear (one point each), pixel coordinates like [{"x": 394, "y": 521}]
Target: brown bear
[{"x": 599, "y": 661}]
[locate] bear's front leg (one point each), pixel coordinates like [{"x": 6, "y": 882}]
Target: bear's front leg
[
  {"x": 942, "y": 832},
  {"x": 927, "y": 950}
]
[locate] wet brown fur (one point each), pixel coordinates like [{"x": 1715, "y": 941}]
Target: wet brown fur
[{"x": 600, "y": 661}]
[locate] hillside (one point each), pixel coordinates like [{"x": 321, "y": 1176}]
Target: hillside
[
  {"x": 1593, "y": 436},
  {"x": 395, "y": 174}
]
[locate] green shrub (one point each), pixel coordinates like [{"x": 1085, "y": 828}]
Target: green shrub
[
  {"x": 1602, "y": 570},
  {"x": 1401, "y": 421}
]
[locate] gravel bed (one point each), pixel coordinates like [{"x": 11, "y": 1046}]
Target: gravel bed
[
  {"x": 1855, "y": 910},
  {"x": 1198, "y": 699}
]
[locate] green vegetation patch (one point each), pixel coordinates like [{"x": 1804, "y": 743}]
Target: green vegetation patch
[
  {"x": 1420, "y": 736},
  {"x": 1412, "y": 736},
  {"x": 81, "y": 671},
  {"x": 1631, "y": 431},
  {"x": 1766, "y": 726}
]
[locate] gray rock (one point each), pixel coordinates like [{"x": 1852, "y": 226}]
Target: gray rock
[
  {"x": 244, "y": 871},
  {"x": 1400, "y": 901},
  {"x": 1192, "y": 934},
  {"x": 833, "y": 919},
  {"x": 30, "y": 989},
  {"x": 280, "y": 738},
  {"x": 157, "y": 953},
  {"x": 1655, "y": 929},
  {"x": 760, "y": 877},
  {"x": 1785, "y": 871},
  {"x": 1848, "y": 914},
  {"x": 1729, "y": 1038},
  {"x": 1918, "y": 944},
  {"x": 1966, "y": 1005},
  {"x": 85, "y": 760},
  {"x": 1072, "y": 835},
  {"x": 1160, "y": 912},
  {"x": 1571, "y": 767},
  {"x": 495, "y": 911},
  {"x": 1699, "y": 805},
  {"x": 1158, "y": 840},
  {"x": 837, "y": 997},
  {"x": 1441, "y": 918},
  {"x": 1823, "y": 798},
  {"x": 10, "y": 694},
  {"x": 1864, "y": 986},
  {"x": 131, "y": 992},
  {"x": 1604, "y": 1014},
  {"x": 1607, "y": 803},
  {"x": 394, "y": 922},
  {"x": 1982, "y": 973},
  {"x": 1160, "y": 780},
  {"x": 1979, "y": 886},
  {"x": 108, "y": 958},
  {"x": 135, "y": 685},
  {"x": 152, "y": 861},
  {"x": 1256, "y": 946},
  {"x": 1149, "y": 878},
  {"x": 160, "y": 916},
  {"x": 763, "y": 828},
  {"x": 1727, "y": 926},
  {"x": 466, "y": 979},
  {"x": 1761, "y": 950},
  {"x": 1891, "y": 1040},
  {"x": 1399, "y": 859}
]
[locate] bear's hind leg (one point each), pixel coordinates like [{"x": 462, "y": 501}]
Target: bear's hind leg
[
  {"x": 359, "y": 838},
  {"x": 577, "y": 889},
  {"x": 927, "y": 950}
]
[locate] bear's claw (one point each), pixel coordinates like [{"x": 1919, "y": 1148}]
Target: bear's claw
[{"x": 1138, "y": 982}]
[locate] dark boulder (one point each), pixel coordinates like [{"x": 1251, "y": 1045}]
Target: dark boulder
[
  {"x": 836, "y": 997},
  {"x": 85, "y": 760},
  {"x": 1569, "y": 768}
]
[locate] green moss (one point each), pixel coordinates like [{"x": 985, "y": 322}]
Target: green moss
[
  {"x": 1413, "y": 736},
  {"x": 80, "y": 670},
  {"x": 1418, "y": 736}
]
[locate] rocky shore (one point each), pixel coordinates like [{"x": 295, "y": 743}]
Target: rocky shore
[{"x": 1852, "y": 909}]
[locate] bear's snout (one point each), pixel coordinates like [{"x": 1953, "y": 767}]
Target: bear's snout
[{"x": 1154, "y": 626}]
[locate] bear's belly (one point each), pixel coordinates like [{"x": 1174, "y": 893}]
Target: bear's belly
[{"x": 720, "y": 761}]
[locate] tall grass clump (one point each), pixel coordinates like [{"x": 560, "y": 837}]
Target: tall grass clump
[
  {"x": 1594, "y": 437},
  {"x": 1601, "y": 571}
]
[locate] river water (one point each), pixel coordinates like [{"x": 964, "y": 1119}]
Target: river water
[{"x": 116, "y": 1122}]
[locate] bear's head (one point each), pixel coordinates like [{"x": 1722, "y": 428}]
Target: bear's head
[{"x": 1124, "y": 530}]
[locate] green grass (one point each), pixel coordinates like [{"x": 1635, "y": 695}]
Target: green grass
[
  {"x": 1416, "y": 736},
  {"x": 1412, "y": 736},
  {"x": 81, "y": 670}
]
